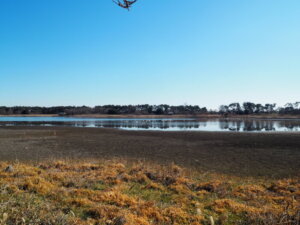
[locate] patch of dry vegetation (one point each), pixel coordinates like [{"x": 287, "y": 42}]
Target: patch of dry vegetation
[{"x": 115, "y": 193}]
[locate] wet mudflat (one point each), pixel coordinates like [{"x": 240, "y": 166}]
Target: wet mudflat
[{"x": 247, "y": 154}]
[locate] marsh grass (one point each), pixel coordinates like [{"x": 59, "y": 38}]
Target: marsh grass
[{"x": 122, "y": 192}]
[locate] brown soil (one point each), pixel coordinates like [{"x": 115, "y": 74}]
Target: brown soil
[
  {"x": 250, "y": 154},
  {"x": 30, "y": 115}
]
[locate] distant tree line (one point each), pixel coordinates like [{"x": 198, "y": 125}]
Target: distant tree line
[
  {"x": 106, "y": 109},
  {"x": 249, "y": 108},
  {"x": 246, "y": 108}
]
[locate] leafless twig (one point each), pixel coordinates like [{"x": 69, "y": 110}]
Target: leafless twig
[{"x": 125, "y": 3}]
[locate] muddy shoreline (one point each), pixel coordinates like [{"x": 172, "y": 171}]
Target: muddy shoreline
[
  {"x": 192, "y": 116},
  {"x": 242, "y": 154}
]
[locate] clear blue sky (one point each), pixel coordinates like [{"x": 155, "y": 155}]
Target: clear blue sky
[{"x": 204, "y": 52}]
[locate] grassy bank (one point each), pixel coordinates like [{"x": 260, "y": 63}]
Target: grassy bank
[{"x": 122, "y": 192}]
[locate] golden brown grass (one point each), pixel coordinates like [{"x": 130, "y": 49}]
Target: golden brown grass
[{"x": 120, "y": 192}]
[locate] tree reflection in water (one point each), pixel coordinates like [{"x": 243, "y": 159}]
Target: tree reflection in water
[{"x": 235, "y": 125}]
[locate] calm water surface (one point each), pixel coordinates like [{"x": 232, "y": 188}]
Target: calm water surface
[{"x": 237, "y": 125}]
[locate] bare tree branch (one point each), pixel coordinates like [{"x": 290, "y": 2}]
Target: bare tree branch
[{"x": 125, "y": 3}]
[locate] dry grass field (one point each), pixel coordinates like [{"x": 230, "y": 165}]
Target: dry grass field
[
  {"x": 113, "y": 177},
  {"x": 122, "y": 192}
]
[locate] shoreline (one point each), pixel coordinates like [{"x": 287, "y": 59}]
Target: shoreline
[{"x": 139, "y": 116}]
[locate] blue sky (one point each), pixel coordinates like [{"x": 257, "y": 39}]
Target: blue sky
[{"x": 76, "y": 52}]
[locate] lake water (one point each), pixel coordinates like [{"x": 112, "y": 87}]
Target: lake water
[{"x": 236, "y": 125}]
